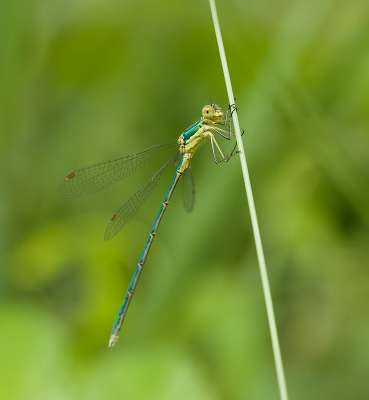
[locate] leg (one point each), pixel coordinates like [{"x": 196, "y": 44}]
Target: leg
[
  {"x": 226, "y": 122},
  {"x": 224, "y": 159},
  {"x": 219, "y": 132}
]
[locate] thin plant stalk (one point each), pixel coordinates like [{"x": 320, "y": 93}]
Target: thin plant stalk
[{"x": 254, "y": 221}]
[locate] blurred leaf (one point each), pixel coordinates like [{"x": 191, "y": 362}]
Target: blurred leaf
[{"x": 86, "y": 56}]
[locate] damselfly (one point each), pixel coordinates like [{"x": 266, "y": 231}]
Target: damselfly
[{"x": 98, "y": 176}]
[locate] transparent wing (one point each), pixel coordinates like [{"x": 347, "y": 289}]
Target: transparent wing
[
  {"x": 124, "y": 215},
  {"x": 189, "y": 191},
  {"x": 98, "y": 176}
]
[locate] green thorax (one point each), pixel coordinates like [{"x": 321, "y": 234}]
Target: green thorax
[{"x": 191, "y": 130}]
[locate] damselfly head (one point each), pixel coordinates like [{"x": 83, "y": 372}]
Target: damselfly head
[{"x": 212, "y": 112}]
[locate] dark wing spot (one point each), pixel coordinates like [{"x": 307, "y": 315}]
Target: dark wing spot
[{"x": 70, "y": 176}]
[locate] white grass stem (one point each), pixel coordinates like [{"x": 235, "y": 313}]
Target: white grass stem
[{"x": 254, "y": 221}]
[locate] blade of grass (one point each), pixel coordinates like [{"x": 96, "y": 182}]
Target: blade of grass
[{"x": 254, "y": 221}]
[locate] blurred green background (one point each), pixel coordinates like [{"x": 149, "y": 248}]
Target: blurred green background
[{"x": 82, "y": 82}]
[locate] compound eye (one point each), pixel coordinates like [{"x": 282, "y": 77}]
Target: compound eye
[{"x": 208, "y": 112}]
